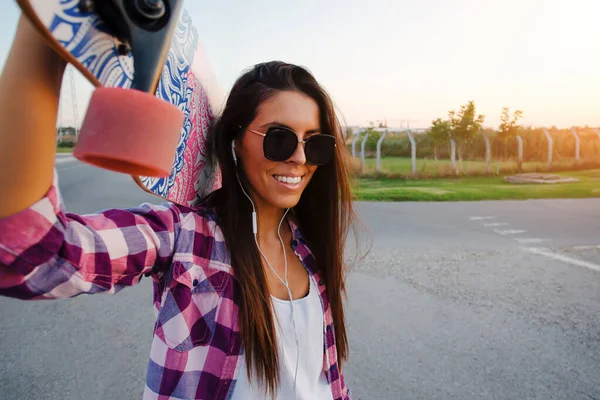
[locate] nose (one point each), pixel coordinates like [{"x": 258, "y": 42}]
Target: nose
[{"x": 298, "y": 157}]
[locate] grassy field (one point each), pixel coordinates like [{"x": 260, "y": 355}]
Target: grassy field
[
  {"x": 64, "y": 149},
  {"x": 443, "y": 168},
  {"x": 476, "y": 188}
]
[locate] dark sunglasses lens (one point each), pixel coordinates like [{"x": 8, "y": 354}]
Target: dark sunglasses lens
[
  {"x": 279, "y": 144},
  {"x": 319, "y": 149}
]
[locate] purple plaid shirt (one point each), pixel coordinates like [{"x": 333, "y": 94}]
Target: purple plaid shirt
[{"x": 196, "y": 351}]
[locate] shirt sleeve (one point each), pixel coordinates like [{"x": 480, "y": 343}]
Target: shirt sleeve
[{"x": 46, "y": 253}]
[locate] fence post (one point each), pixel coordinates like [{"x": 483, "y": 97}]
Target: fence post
[
  {"x": 577, "y": 143},
  {"x": 362, "y": 151},
  {"x": 453, "y": 154},
  {"x": 379, "y": 150},
  {"x": 413, "y": 151},
  {"x": 354, "y": 140},
  {"x": 520, "y": 144},
  {"x": 488, "y": 150},
  {"x": 549, "y": 138}
]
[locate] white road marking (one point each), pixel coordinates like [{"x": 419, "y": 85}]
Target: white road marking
[
  {"x": 69, "y": 167},
  {"x": 506, "y": 232},
  {"x": 492, "y": 224},
  {"x": 573, "y": 261},
  {"x": 62, "y": 160},
  {"x": 480, "y": 218},
  {"x": 586, "y": 247},
  {"x": 531, "y": 240}
]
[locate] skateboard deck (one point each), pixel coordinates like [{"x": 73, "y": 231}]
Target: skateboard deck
[{"x": 186, "y": 81}]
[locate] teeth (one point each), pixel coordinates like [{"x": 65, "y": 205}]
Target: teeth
[{"x": 288, "y": 179}]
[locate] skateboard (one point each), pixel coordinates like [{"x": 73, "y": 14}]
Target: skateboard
[{"x": 156, "y": 95}]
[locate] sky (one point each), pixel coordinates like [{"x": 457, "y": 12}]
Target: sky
[{"x": 407, "y": 60}]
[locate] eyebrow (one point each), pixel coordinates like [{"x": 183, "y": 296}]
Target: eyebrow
[{"x": 282, "y": 125}]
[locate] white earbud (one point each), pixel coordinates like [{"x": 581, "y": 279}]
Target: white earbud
[{"x": 233, "y": 152}]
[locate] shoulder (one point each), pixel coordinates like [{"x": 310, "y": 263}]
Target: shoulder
[
  {"x": 202, "y": 211},
  {"x": 202, "y": 219},
  {"x": 201, "y": 234}
]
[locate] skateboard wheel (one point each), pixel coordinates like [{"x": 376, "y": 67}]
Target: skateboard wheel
[{"x": 129, "y": 131}]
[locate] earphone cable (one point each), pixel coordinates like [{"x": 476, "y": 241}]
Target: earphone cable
[{"x": 284, "y": 282}]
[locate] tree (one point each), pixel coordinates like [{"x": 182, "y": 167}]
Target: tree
[
  {"x": 439, "y": 132},
  {"x": 465, "y": 125},
  {"x": 509, "y": 127}
]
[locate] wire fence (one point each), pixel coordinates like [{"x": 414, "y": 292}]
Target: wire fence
[{"x": 540, "y": 150}]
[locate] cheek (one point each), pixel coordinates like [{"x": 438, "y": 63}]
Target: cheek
[
  {"x": 252, "y": 156},
  {"x": 256, "y": 166}
]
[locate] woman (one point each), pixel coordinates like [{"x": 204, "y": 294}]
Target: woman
[{"x": 248, "y": 287}]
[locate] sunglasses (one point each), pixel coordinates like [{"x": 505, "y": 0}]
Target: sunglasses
[{"x": 280, "y": 143}]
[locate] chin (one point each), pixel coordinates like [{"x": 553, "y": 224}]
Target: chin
[{"x": 286, "y": 202}]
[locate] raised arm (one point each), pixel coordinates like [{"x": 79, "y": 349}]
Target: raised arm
[
  {"x": 29, "y": 92},
  {"x": 45, "y": 252}
]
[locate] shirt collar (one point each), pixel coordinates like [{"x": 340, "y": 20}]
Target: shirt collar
[{"x": 296, "y": 234}]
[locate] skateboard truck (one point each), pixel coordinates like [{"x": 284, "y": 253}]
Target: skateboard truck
[
  {"x": 139, "y": 132},
  {"x": 144, "y": 28}
]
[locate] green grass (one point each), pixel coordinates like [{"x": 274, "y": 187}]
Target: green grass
[
  {"x": 443, "y": 168},
  {"x": 476, "y": 188},
  {"x": 64, "y": 149}
]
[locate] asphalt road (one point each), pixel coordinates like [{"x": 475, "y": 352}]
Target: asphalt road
[{"x": 487, "y": 300}]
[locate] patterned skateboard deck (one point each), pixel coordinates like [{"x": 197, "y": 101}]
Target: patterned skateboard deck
[{"x": 187, "y": 81}]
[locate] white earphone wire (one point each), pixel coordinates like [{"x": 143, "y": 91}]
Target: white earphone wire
[{"x": 284, "y": 281}]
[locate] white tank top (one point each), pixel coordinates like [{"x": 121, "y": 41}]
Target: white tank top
[{"x": 312, "y": 383}]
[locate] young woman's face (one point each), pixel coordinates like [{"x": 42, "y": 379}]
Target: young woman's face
[{"x": 297, "y": 112}]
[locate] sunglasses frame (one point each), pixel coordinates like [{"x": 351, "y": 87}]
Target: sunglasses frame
[{"x": 303, "y": 142}]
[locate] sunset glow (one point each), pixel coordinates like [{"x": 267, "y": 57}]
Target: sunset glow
[{"x": 413, "y": 61}]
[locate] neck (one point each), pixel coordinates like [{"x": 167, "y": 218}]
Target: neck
[{"x": 268, "y": 219}]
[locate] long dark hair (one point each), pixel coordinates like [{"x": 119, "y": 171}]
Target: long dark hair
[{"x": 325, "y": 214}]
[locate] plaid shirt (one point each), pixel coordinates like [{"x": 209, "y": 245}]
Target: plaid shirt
[{"x": 196, "y": 351}]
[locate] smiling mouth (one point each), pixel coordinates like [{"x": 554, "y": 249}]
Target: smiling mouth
[{"x": 290, "y": 181}]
